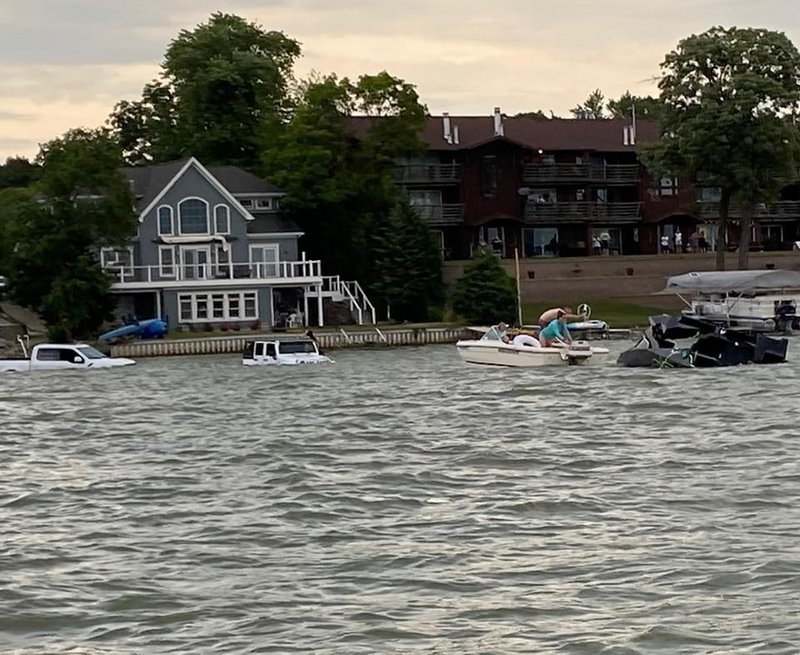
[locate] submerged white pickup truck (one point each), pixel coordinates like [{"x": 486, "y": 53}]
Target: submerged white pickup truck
[{"x": 61, "y": 357}]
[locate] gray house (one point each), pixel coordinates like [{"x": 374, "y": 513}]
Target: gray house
[{"x": 212, "y": 248}]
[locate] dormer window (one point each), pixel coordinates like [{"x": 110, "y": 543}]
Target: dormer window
[
  {"x": 264, "y": 203},
  {"x": 222, "y": 219},
  {"x": 247, "y": 203},
  {"x": 165, "y": 226},
  {"x": 193, "y": 216}
]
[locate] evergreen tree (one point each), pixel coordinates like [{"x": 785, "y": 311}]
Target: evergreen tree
[
  {"x": 408, "y": 265},
  {"x": 485, "y": 294}
]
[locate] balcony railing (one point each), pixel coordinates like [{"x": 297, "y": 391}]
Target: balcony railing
[
  {"x": 229, "y": 274},
  {"x": 433, "y": 174},
  {"x": 610, "y": 174},
  {"x": 781, "y": 209},
  {"x": 441, "y": 214},
  {"x": 583, "y": 212}
]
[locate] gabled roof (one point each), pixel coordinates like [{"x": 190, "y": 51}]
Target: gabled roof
[
  {"x": 151, "y": 183},
  {"x": 601, "y": 135},
  {"x": 240, "y": 181}
]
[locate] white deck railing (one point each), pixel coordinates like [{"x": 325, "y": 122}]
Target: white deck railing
[{"x": 279, "y": 271}]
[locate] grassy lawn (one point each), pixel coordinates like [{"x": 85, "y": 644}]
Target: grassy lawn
[{"x": 618, "y": 314}]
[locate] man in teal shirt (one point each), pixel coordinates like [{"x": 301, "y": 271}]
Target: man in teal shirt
[{"x": 555, "y": 330}]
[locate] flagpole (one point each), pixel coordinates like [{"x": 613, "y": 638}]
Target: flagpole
[{"x": 519, "y": 292}]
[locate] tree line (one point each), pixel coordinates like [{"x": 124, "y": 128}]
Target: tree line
[{"x": 226, "y": 94}]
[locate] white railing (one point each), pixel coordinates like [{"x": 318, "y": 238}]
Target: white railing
[
  {"x": 352, "y": 292},
  {"x": 355, "y": 291},
  {"x": 215, "y": 272}
]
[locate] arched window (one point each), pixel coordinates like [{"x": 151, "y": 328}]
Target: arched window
[
  {"x": 222, "y": 219},
  {"x": 165, "y": 220},
  {"x": 193, "y": 216}
]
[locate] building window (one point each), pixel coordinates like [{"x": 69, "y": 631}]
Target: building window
[
  {"x": 223, "y": 259},
  {"x": 771, "y": 234},
  {"x": 247, "y": 203},
  {"x": 264, "y": 260},
  {"x": 489, "y": 175},
  {"x": 428, "y": 204},
  {"x": 235, "y": 305},
  {"x": 165, "y": 226},
  {"x": 117, "y": 259},
  {"x": 166, "y": 261},
  {"x": 222, "y": 219},
  {"x": 264, "y": 203},
  {"x": 540, "y": 241},
  {"x": 668, "y": 186},
  {"x": 193, "y": 216}
]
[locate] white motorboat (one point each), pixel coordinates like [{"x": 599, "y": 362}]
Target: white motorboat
[
  {"x": 283, "y": 352},
  {"x": 491, "y": 350},
  {"x": 763, "y": 301}
]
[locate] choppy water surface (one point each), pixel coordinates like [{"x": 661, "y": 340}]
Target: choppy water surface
[{"x": 399, "y": 502}]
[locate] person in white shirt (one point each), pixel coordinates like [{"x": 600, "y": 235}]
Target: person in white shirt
[
  {"x": 664, "y": 243},
  {"x": 678, "y": 241}
]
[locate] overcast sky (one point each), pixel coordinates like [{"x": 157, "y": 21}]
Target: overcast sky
[{"x": 65, "y": 63}]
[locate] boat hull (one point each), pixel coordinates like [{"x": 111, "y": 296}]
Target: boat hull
[{"x": 500, "y": 354}]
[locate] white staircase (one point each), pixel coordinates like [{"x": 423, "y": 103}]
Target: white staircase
[{"x": 350, "y": 291}]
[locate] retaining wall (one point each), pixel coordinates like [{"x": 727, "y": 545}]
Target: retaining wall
[{"x": 327, "y": 341}]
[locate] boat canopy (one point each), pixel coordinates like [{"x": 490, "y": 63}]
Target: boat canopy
[{"x": 732, "y": 281}]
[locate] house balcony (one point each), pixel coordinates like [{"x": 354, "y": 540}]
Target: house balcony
[
  {"x": 782, "y": 209},
  {"x": 583, "y": 212},
  {"x": 441, "y": 214},
  {"x": 600, "y": 174},
  {"x": 428, "y": 174},
  {"x": 230, "y": 275}
]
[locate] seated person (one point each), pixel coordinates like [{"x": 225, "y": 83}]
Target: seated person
[
  {"x": 552, "y": 314},
  {"x": 555, "y": 331},
  {"x": 526, "y": 340}
]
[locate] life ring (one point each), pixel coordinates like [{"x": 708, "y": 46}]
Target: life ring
[
  {"x": 585, "y": 311},
  {"x": 526, "y": 340}
]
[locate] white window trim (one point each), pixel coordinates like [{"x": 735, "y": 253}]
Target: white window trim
[
  {"x": 105, "y": 251},
  {"x": 171, "y": 220},
  {"x": 227, "y": 219},
  {"x": 208, "y": 226},
  {"x": 267, "y": 246},
  {"x": 208, "y": 295},
  {"x": 162, "y": 266}
]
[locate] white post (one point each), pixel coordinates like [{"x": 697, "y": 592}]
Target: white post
[
  {"x": 320, "y": 318},
  {"x": 158, "y": 305},
  {"x": 306, "y": 290}
]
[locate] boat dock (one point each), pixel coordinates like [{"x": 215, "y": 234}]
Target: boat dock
[{"x": 342, "y": 338}]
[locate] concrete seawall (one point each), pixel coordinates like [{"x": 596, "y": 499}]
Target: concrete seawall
[{"x": 327, "y": 341}]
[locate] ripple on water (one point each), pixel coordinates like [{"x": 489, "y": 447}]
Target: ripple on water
[{"x": 399, "y": 501}]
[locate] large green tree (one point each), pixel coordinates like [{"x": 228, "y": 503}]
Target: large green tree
[
  {"x": 220, "y": 83},
  {"x": 337, "y": 173},
  {"x": 485, "y": 294},
  {"x": 80, "y": 203},
  {"x": 726, "y": 96},
  {"x": 408, "y": 265}
]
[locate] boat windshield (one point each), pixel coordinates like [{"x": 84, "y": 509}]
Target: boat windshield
[
  {"x": 492, "y": 334},
  {"x": 294, "y": 347},
  {"x": 90, "y": 353}
]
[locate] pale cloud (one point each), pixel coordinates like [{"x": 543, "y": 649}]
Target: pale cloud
[{"x": 65, "y": 63}]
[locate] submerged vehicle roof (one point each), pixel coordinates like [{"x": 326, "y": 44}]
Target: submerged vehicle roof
[{"x": 732, "y": 281}]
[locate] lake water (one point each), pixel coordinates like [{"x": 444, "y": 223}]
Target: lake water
[{"x": 400, "y": 501}]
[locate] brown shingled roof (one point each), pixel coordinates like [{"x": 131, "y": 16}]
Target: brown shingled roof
[{"x": 604, "y": 135}]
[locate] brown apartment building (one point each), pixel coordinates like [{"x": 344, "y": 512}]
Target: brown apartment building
[{"x": 558, "y": 187}]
